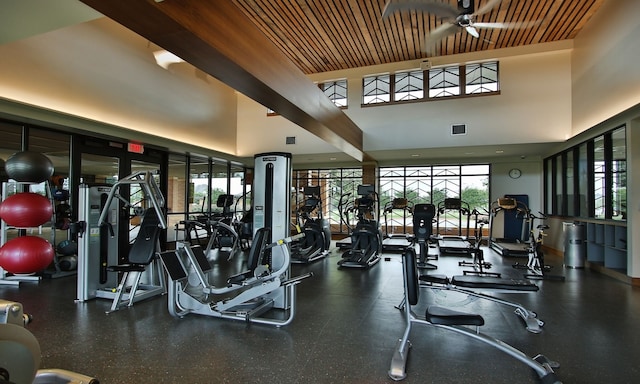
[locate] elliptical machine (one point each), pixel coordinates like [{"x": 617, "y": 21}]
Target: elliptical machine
[
  {"x": 317, "y": 235},
  {"x": 366, "y": 237}
]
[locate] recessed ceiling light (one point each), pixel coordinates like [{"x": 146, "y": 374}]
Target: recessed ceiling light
[
  {"x": 499, "y": 151},
  {"x": 332, "y": 158},
  {"x": 415, "y": 155}
]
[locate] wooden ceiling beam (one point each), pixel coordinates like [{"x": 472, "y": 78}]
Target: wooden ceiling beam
[{"x": 218, "y": 38}]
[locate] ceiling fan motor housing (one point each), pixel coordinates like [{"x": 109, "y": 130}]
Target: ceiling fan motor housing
[{"x": 465, "y": 6}]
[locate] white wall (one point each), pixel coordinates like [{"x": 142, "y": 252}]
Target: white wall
[
  {"x": 101, "y": 71},
  {"x": 605, "y": 71},
  {"x": 606, "y": 94},
  {"x": 534, "y": 107}
]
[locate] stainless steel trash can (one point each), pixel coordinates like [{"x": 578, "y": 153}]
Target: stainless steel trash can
[{"x": 575, "y": 246}]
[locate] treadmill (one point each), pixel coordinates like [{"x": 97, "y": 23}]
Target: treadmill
[
  {"x": 396, "y": 242},
  {"x": 454, "y": 243},
  {"x": 514, "y": 240}
]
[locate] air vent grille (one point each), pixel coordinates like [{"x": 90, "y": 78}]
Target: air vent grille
[
  {"x": 458, "y": 129},
  {"x": 291, "y": 140}
]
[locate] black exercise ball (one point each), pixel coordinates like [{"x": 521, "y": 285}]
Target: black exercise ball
[
  {"x": 67, "y": 248},
  {"x": 29, "y": 167},
  {"x": 68, "y": 263}
]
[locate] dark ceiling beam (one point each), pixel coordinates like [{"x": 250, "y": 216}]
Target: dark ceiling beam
[{"x": 216, "y": 37}]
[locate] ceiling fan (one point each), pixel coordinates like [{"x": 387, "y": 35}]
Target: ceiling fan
[{"x": 454, "y": 19}]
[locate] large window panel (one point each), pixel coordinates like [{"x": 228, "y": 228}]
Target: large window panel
[
  {"x": 590, "y": 179},
  {"x": 481, "y": 78},
  {"x": 409, "y": 86},
  {"x": 376, "y": 89},
  {"x": 583, "y": 181},
  {"x": 599, "y": 170},
  {"x": 619, "y": 174},
  {"x": 336, "y": 91},
  {"x": 444, "y": 82}
]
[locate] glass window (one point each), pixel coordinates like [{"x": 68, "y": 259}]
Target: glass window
[
  {"x": 548, "y": 176},
  {"x": 444, "y": 82},
  {"x": 619, "y": 174},
  {"x": 337, "y": 187},
  {"x": 336, "y": 91},
  {"x": 570, "y": 183},
  {"x": 599, "y": 177},
  {"x": 481, "y": 78},
  {"x": 198, "y": 191},
  {"x": 432, "y": 184},
  {"x": 376, "y": 89},
  {"x": 409, "y": 86},
  {"x": 176, "y": 195},
  {"x": 583, "y": 180}
]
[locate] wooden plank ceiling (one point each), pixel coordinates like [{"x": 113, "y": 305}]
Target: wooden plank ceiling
[{"x": 327, "y": 35}]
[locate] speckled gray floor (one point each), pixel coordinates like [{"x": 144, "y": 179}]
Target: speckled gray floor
[{"x": 345, "y": 331}]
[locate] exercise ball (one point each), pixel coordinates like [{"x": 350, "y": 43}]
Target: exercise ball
[
  {"x": 67, "y": 248},
  {"x": 26, "y": 254},
  {"x": 29, "y": 167},
  {"x": 68, "y": 263},
  {"x": 26, "y": 209}
]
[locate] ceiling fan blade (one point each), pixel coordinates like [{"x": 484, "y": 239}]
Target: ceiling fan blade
[
  {"x": 438, "y": 9},
  {"x": 472, "y": 31},
  {"x": 487, "y": 7},
  {"x": 438, "y": 34},
  {"x": 514, "y": 25}
]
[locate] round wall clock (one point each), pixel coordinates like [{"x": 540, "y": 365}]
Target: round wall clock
[{"x": 514, "y": 173}]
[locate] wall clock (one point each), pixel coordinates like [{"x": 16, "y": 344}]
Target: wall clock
[{"x": 514, "y": 173}]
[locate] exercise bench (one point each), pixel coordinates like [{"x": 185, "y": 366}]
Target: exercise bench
[
  {"x": 478, "y": 286},
  {"x": 458, "y": 322}
]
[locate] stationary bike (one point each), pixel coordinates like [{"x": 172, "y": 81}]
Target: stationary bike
[
  {"x": 317, "y": 235},
  {"x": 366, "y": 237},
  {"x": 535, "y": 264}
]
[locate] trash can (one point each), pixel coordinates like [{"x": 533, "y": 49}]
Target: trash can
[{"x": 575, "y": 246}]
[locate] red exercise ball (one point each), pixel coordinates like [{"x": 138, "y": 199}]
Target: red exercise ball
[
  {"x": 26, "y": 254},
  {"x": 26, "y": 209}
]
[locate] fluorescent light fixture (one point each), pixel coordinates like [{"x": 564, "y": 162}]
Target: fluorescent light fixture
[{"x": 165, "y": 58}]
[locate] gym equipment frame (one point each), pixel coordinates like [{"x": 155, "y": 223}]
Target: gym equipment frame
[
  {"x": 454, "y": 321},
  {"x": 142, "y": 275},
  {"x": 254, "y": 292}
]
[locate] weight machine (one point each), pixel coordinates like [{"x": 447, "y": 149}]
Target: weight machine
[
  {"x": 265, "y": 284},
  {"x": 99, "y": 215}
]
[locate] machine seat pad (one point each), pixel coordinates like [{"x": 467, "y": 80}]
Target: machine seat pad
[
  {"x": 444, "y": 316},
  {"x": 127, "y": 268},
  {"x": 487, "y": 282},
  {"x": 435, "y": 279}
]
